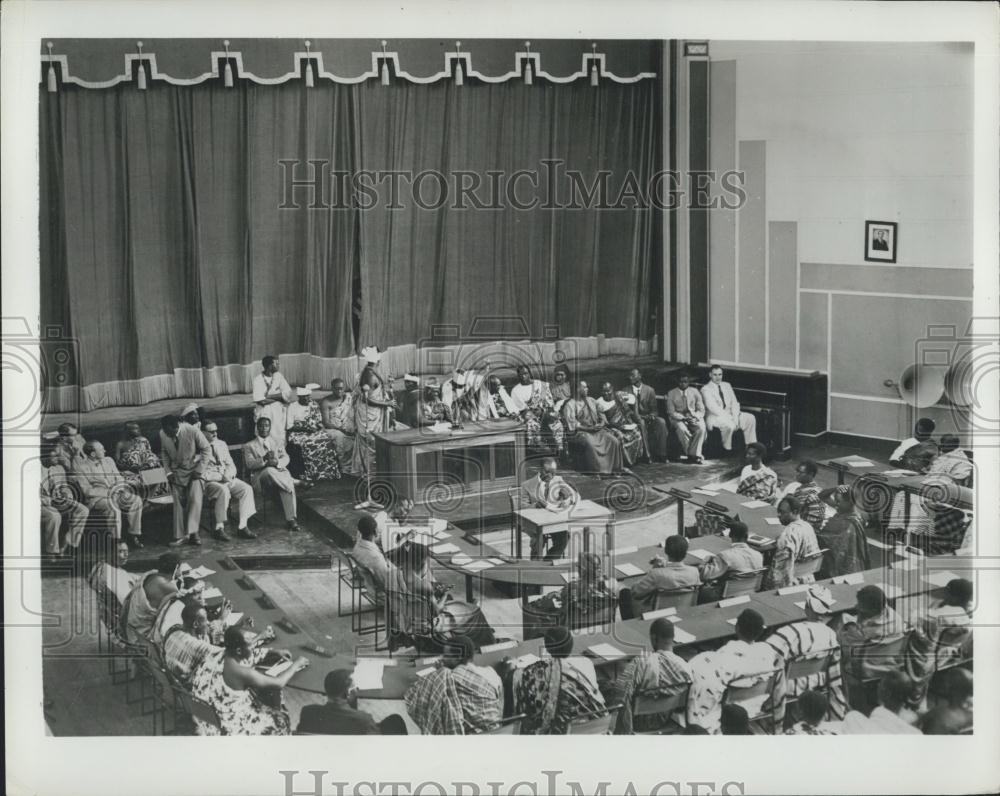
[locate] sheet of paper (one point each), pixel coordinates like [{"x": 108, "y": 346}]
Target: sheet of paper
[
  {"x": 659, "y": 613},
  {"x": 701, "y": 555},
  {"x": 428, "y": 661},
  {"x": 447, "y": 547},
  {"x": 733, "y": 620},
  {"x": 743, "y": 598},
  {"x": 860, "y": 463},
  {"x": 526, "y": 660},
  {"x": 794, "y": 589},
  {"x": 607, "y": 651},
  {"x": 729, "y": 486},
  {"x": 682, "y": 636},
  {"x": 439, "y": 428},
  {"x": 802, "y": 605},
  {"x": 278, "y": 668},
  {"x": 621, "y": 551},
  {"x": 211, "y": 593},
  {"x": 854, "y": 577},
  {"x": 440, "y": 534},
  {"x": 438, "y": 524},
  {"x": 628, "y": 569},
  {"x": 502, "y": 645},
  {"x": 200, "y": 572},
  {"x": 496, "y": 561},
  {"x": 477, "y": 566},
  {"x": 755, "y": 504},
  {"x": 427, "y": 671},
  {"x": 569, "y": 577},
  {"x": 704, "y": 491},
  {"x": 941, "y": 577},
  {"x": 772, "y": 521},
  {"x": 756, "y": 538},
  {"x": 233, "y": 618},
  {"x": 460, "y": 559},
  {"x": 368, "y": 673}
]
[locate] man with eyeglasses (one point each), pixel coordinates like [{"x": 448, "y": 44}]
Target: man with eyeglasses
[
  {"x": 722, "y": 410},
  {"x": 222, "y": 485}
]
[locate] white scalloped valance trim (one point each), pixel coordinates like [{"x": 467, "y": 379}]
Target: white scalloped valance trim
[{"x": 527, "y": 66}]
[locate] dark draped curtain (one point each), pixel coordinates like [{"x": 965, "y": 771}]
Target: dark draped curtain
[{"x": 166, "y": 254}]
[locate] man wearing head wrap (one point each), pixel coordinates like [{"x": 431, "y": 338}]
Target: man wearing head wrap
[
  {"x": 812, "y": 639},
  {"x": 305, "y": 431},
  {"x": 189, "y": 414}
]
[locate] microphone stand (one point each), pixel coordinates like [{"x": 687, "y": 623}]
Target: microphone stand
[{"x": 367, "y": 503}]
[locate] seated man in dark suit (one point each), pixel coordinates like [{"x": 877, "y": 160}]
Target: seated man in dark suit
[
  {"x": 340, "y": 714},
  {"x": 666, "y": 575}
]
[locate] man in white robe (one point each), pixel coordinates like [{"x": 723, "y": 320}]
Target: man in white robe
[{"x": 272, "y": 393}]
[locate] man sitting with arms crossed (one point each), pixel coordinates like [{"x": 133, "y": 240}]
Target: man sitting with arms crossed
[
  {"x": 184, "y": 452},
  {"x": 650, "y": 673},
  {"x": 737, "y": 559},
  {"x": 722, "y": 410},
  {"x": 686, "y": 411},
  {"x": 222, "y": 485},
  {"x": 548, "y": 491},
  {"x": 340, "y": 714},
  {"x": 267, "y": 462},
  {"x": 664, "y": 576},
  {"x": 459, "y": 698}
]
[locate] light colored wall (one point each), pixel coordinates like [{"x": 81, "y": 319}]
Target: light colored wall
[{"x": 850, "y": 132}]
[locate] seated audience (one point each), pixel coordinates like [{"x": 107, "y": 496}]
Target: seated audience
[
  {"x": 133, "y": 453},
  {"x": 941, "y": 635},
  {"x": 368, "y": 553},
  {"x": 533, "y": 399},
  {"x": 339, "y": 715},
  {"x": 652, "y": 426},
  {"x": 622, "y": 422},
  {"x": 843, "y": 536},
  {"x": 107, "y": 494},
  {"x": 547, "y": 490},
  {"x": 923, "y": 431},
  {"x": 949, "y": 700},
  {"x": 890, "y": 716},
  {"x": 875, "y": 623},
  {"x": 757, "y": 481},
  {"x": 686, "y": 411},
  {"x": 561, "y": 387},
  {"x": 184, "y": 452},
  {"x": 744, "y": 661},
  {"x": 185, "y": 646},
  {"x": 59, "y": 491},
  {"x": 458, "y": 697},
  {"x": 501, "y": 404},
  {"x": 337, "y": 410},
  {"x": 812, "y": 707},
  {"x": 222, "y": 486},
  {"x": 722, "y": 410},
  {"x": 737, "y": 559},
  {"x": 228, "y": 681},
  {"x": 143, "y": 603},
  {"x": 796, "y": 542},
  {"x": 806, "y": 491},
  {"x": 71, "y": 441},
  {"x": 556, "y": 690},
  {"x": 582, "y": 599},
  {"x": 650, "y": 674},
  {"x": 665, "y": 575},
  {"x": 267, "y": 462},
  {"x": 593, "y": 447},
  {"x": 467, "y": 396},
  {"x": 952, "y": 461},
  {"x": 432, "y": 409},
  {"x": 812, "y": 639},
  {"x": 734, "y": 720},
  {"x": 304, "y": 429}
]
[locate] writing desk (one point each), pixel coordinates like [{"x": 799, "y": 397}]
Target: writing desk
[{"x": 576, "y": 519}]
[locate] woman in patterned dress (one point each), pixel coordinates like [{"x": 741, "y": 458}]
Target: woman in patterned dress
[
  {"x": 533, "y": 400},
  {"x": 622, "y": 421},
  {"x": 306, "y": 431},
  {"x": 225, "y": 679},
  {"x": 373, "y": 407},
  {"x": 134, "y": 454}
]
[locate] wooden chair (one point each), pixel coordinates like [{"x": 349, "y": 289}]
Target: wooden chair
[
  {"x": 810, "y": 564},
  {"x": 662, "y": 703},
  {"x": 675, "y": 598},
  {"x": 509, "y": 726},
  {"x": 595, "y": 725},
  {"x": 736, "y": 583},
  {"x": 739, "y": 694}
]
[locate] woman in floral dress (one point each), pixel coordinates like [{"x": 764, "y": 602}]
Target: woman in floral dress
[
  {"x": 307, "y": 432},
  {"x": 622, "y": 421}
]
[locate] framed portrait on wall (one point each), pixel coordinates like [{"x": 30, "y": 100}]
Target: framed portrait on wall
[{"x": 880, "y": 241}]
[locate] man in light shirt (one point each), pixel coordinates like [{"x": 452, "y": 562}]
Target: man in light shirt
[
  {"x": 686, "y": 411},
  {"x": 222, "y": 486},
  {"x": 183, "y": 452},
  {"x": 107, "y": 494},
  {"x": 58, "y": 492},
  {"x": 548, "y": 491},
  {"x": 267, "y": 461},
  {"x": 923, "y": 431},
  {"x": 722, "y": 410},
  {"x": 653, "y": 427},
  {"x": 739, "y": 558}
]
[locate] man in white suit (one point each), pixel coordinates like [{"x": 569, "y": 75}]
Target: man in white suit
[
  {"x": 722, "y": 410},
  {"x": 222, "y": 486}
]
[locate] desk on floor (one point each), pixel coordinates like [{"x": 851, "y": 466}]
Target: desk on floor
[
  {"x": 761, "y": 520},
  {"x": 576, "y": 519}
]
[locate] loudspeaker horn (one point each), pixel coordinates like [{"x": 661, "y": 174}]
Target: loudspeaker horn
[{"x": 922, "y": 385}]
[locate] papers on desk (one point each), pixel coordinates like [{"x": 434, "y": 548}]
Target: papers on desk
[
  {"x": 755, "y": 504},
  {"x": 756, "y": 538},
  {"x": 427, "y": 671},
  {"x": 701, "y": 490},
  {"x": 569, "y": 577},
  {"x": 439, "y": 428},
  {"x": 438, "y": 525},
  {"x": 682, "y": 636},
  {"x": 621, "y": 551},
  {"x": 447, "y": 547},
  {"x": 627, "y": 570},
  {"x": 700, "y": 554},
  {"x": 525, "y": 660},
  {"x": 802, "y": 605},
  {"x": 212, "y": 593},
  {"x": 234, "y": 618},
  {"x": 941, "y": 577},
  {"x": 898, "y": 473},
  {"x": 426, "y": 661},
  {"x": 277, "y": 669},
  {"x": 200, "y": 573},
  {"x": 729, "y": 486},
  {"x": 659, "y": 613},
  {"x": 440, "y": 534},
  {"x": 502, "y": 645},
  {"x": 608, "y": 652},
  {"x": 368, "y": 673},
  {"x": 460, "y": 559},
  {"x": 477, "y": 566},
  {"x": 735, "y": 619},
  {"x": 772, "y": 521},
  {"x": 859, "y": 463},
  {"x": 496, "y": 561},
  {"x": 743, "y": 598},
  {"x": 794, "y": 589},
  {"x": 853, "y": 578}
]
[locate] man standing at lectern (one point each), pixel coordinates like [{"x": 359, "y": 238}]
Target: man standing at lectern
[
  {"x": 722, "y": 410},
  {"x": 548, "y": 491}
]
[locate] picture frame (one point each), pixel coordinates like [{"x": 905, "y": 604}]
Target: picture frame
[{"x": 880, "y": 241}]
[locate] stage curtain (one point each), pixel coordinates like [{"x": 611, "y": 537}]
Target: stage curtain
[{"x": 582, "y": 271}]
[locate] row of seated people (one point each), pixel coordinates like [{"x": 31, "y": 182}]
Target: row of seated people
[{"x": 80, "y": 480}]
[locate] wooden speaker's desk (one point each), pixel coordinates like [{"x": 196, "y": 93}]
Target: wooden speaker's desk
[
  {"x": 421, "y": 464},
  {"x": 586, "y": 514}
]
